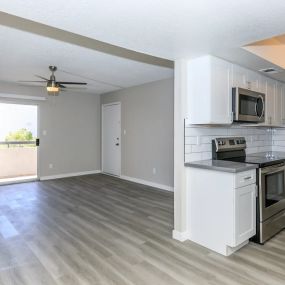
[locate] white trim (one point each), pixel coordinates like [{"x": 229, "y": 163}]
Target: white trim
[
  {"x": 19, "y": 181},
  {"x": 25, "y": 97},
  {"x": 120, "y": 139},
  {"x": 148, "y": 183},
  {"x": 57, "y": 176},
  {"x": 180, "y": 236}
]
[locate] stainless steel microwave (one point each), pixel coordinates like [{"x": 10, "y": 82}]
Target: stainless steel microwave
[{"x": 248, "y": 105}]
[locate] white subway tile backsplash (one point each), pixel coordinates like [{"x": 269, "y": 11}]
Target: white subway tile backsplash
[
  {"x": 207, "y": 139},
  {"x": 201, "y": 148},
  {"x": 188, "y": 148},
  {"x": 193, "y": 157},
  {"x": 278, "y": 139},
  {"x": 278, "y": 148},
  {"x": 198, "y": 139},
  {"x": 190, "y": 140},
  {"x": 206, "y": 155}
]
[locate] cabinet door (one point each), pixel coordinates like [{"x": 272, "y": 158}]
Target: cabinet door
[
  {"x": 262, "y": 84},
  {"x": 278, "y": 116},
  {"x": 221, "y": 92},
  {"x": 239, "y": 76},
  {"x": 270, "y": 101},
  {"x": 283, "y": 104},
  {"x": 244, "y": 214},
  {"x": 253, "y": 81}
]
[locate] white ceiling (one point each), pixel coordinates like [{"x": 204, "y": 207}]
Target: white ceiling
[
  {"x": 164, "y": 28},
  {"x": 24, "y": 55}
]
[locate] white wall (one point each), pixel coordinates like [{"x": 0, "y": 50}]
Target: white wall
[
  {"x": 147, "y": 117},
  {"x": 198, "y": 140},
  {"x": 72, "y": 122}
]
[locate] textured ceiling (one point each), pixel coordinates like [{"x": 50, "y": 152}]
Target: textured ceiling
[
  {"x": 24, "y": 55},
  {"x": 163, "y": 28}
]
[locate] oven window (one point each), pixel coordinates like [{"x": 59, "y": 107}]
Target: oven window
[
  {"x": 247, "y": 105},
  {"x": 274, "y": 188}
]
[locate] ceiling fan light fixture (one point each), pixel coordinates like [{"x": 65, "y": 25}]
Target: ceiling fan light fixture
[{"x": 53, "y": 89}]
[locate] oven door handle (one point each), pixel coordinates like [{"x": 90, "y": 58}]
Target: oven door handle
[{"x": 272, "y": 170}]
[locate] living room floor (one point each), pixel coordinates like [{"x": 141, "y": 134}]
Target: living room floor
[{"x": 98, "y": 229}]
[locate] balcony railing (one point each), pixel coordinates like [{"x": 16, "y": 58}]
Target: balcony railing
[
  {"x": 18, "y": 143},
  {"x": 18, "y": 159}
]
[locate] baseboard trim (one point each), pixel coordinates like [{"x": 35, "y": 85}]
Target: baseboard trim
[
  {"x": 65, "y": 175},
  {"x": 180, "y": 236},
  {"x": 148, "y": 183}
]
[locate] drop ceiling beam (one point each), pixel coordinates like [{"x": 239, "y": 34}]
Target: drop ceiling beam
[{"x": 29, "y": 26}]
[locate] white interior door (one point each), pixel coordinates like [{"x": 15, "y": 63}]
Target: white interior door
[{"x": 111, "y": 139}]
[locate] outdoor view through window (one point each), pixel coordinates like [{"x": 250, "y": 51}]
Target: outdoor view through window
[{"x": 18, "y": 151}]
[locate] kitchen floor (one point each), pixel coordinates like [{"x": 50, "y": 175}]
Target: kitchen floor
[{"x": 97, "y": 229}]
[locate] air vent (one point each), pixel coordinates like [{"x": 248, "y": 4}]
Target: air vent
[{"x": 270, "y": 70}]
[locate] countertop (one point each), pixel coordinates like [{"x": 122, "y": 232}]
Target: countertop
[{"x": 221, "y": 165}]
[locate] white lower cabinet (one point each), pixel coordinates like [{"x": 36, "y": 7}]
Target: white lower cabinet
[
  {"x": 244, "y": 214},
  {"x": 222, "y": 208}
]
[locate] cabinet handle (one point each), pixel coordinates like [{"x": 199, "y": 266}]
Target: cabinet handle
[
  {"x": 247, "y": 178},
  {"x": 248, "y": 85}
]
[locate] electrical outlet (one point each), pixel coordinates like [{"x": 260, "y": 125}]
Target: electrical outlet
[
  {"x": 50, "y": 166},
  {"x": 154, "y": 171}
]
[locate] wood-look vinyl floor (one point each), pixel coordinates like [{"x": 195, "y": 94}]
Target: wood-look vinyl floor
[{"x": 97, "y": 229}]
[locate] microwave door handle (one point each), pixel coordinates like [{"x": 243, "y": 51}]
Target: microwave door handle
[
  {"x": 263, "y": 107},
  {"x": 256, "y": 109},
  {"x": 262, "y": 113}
]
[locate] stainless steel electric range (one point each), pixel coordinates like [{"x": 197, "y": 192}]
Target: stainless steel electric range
[{"x": 270, "y": 181}]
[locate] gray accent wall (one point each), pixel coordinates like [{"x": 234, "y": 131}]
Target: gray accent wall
[
  {"x": 72, "y": 122},
  {"x": 147, "y": 130},
  {"x": 73, "y": 139}
]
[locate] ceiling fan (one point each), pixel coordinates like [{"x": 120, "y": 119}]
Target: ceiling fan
[{"x": 53, "y": 86}]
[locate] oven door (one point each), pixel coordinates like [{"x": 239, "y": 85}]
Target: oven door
[{"x": 272, "y": 190}]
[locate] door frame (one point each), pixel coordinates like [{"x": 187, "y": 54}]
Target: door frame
[
  {"x": 21, "y": 102},
  {"x": 102, "y": 145}
]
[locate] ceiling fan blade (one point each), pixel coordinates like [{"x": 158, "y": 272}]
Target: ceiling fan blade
[
  {"x": 61, "y": 86},
  {"x": 31, "y": 81},
  {"x": 75, "y": 87},
  {"x": 74, "y": 83},
  {"x": 42, "y": 77}
]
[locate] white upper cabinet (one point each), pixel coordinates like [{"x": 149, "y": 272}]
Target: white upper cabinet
[
  {"x": 282, "y": 104},
  {"x": 270, "y": 102},
  {"x": 278, "y": 116},
  {"x": 253, "y": 81},
  {"x": 247, "y": 79},
  {"x": 239, "y": 76},
  {"x": 262, "y": 84},
  {"x": 209, "y": 91}
]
